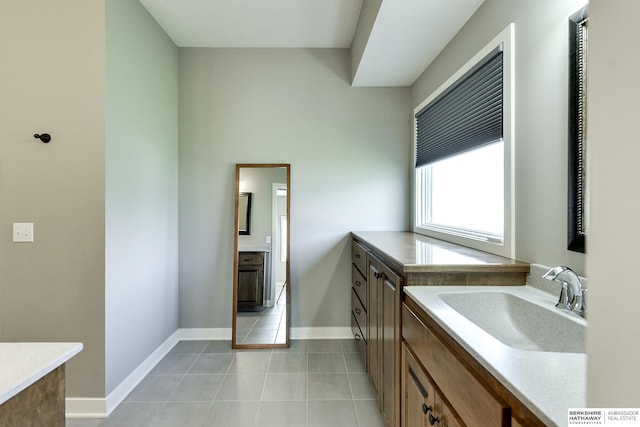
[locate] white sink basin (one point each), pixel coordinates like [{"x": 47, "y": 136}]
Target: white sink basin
[{"x": 519, "y": 323}]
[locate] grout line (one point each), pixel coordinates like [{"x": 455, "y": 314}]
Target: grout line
[{"x": 227, "y": 373}]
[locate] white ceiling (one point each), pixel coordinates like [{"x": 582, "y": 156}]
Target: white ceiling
[
  {"x": 406, "y": 35},
  {"x": 257, "y": 23}
]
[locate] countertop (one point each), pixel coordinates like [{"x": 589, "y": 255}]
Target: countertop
[
  {"x": 254, "y": 248},
  {"x": 548, "y": 383},
  {"x": 415, "y": 253},
  {"x": 22, "y": 364}
]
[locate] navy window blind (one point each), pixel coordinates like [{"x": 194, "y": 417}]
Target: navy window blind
[{"x": 467, "y": 115}]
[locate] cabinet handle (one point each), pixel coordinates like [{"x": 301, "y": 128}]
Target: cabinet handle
[
  {"x": 378, "y": 275},
  {"x": 426, "y": 409},
  {"x": 358, "y": 283},
  {"x": 357, "y": 310},
  {"x": 357, "y": 256},
  {"x": 433, "y": 420},
  {"x": 418, "y": 384},
  {"x": 357, "y": 337}
]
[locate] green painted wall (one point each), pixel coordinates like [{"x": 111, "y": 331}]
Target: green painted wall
[{"x": 141, "y": 242}]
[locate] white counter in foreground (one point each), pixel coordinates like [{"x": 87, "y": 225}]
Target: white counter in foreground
[
  {"x": 22, "y": 364},
  {"x": 548, "y": 383}
]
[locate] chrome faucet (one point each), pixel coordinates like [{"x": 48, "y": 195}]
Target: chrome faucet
[{"x": 572, "y": 294}]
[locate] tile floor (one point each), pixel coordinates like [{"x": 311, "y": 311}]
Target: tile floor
[
  {"x": 206, "y": 383},
  {"x": 266, "y": 326}
]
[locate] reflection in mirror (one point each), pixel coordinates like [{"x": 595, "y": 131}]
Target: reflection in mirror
[
  {"x": 577, "y": 186},
  {"x": 244, "y": 213},
  {"x": 261, "y": 268}
]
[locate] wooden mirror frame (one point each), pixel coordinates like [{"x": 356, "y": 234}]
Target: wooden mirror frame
[{"x": 234, "y": 344}]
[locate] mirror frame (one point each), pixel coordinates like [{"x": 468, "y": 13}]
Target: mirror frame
[
  {"x": 234, "y": 344},
  {"x": 577, "y": 155},
  {"x": 246, "y": 230}
]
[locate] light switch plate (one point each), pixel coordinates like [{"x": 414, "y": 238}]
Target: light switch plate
[{"x": 23, "y": 232}]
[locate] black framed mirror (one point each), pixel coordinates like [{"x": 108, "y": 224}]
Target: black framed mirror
[
  {"x": 577, "y": 156},
  {"x": 261, "y": 285},
  {"x": 244, "y": 213}
]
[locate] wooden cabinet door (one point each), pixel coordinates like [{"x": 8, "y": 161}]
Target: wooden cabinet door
[
  {"x": 418, "y": 395},
  {"x": 374, "y": 335},
  {"x": 422, "y": 404},
  {"x": 250, "y": 285},
  {"x": 446, "y": 416},
  {"x": 390, "y": 346}
]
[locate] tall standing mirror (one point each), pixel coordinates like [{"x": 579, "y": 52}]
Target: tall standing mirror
[{"x": 261, "y": 311}]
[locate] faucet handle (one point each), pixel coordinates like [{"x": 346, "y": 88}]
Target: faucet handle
[
  {"x": 564, "y": 301},
  {"x": 578, "y": 303}
]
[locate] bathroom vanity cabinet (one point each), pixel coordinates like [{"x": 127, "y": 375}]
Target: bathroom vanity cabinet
[
  {"x": 250, "y": 281},
  {"x": 442, "y": 383},
  {"x": 384, "y": 262},
  {"x": 375, "y": 298}
]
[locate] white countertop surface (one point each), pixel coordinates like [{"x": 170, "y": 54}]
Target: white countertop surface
[
  {"x": 22, "y": 364},
  {"x": 254, "y": 248},
  {"x": 548, "y": 383},
  {"x": 412, "y": 252}
]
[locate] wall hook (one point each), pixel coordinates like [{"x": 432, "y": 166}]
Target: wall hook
[{"x": 45, "y": 137}]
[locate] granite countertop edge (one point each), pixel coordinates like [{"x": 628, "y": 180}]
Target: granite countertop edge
[
  {"x": 24, "y": 363},
  {"x": 378, "y": 241}
]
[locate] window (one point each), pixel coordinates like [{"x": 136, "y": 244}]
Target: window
[{"x": 464, "y": 151}]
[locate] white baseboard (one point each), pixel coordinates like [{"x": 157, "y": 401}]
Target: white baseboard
[
  {"x": 125, "y": 387},
  {"x": 79, "y": 407},
  {"x": 199, "y": 334},
  {"x": 102, "y": 408},
  {"x": 86, "y": 407},
  {"x": 335, "y": 333}
]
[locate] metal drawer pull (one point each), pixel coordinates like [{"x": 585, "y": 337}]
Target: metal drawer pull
[
  {"x": 378, "y": 275},
  {"x": 357, "y": 310},
  {"x": 357, "y": 256},
  {"x": 357, "y": 337},
  {"x": 426, "y": 409},
  {"x": 358, "y": 283},
  {"x": 423, "y": 391},
  {"x": 433, "y": 420}
]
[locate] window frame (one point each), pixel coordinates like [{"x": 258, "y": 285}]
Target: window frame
[{"x": 507, "y": 246}]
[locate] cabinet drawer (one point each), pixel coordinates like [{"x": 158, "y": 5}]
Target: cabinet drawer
[
  {"x": 250, "y": 258},
  {"x": 359, "y": 284},
  {"x": 359, "y": 256},
  {"x": 475, "y": 404},
  {"x": 355, "y": 329},
  {"x": 359, "y": 313},
  {"x": 361, "y": 344}
]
